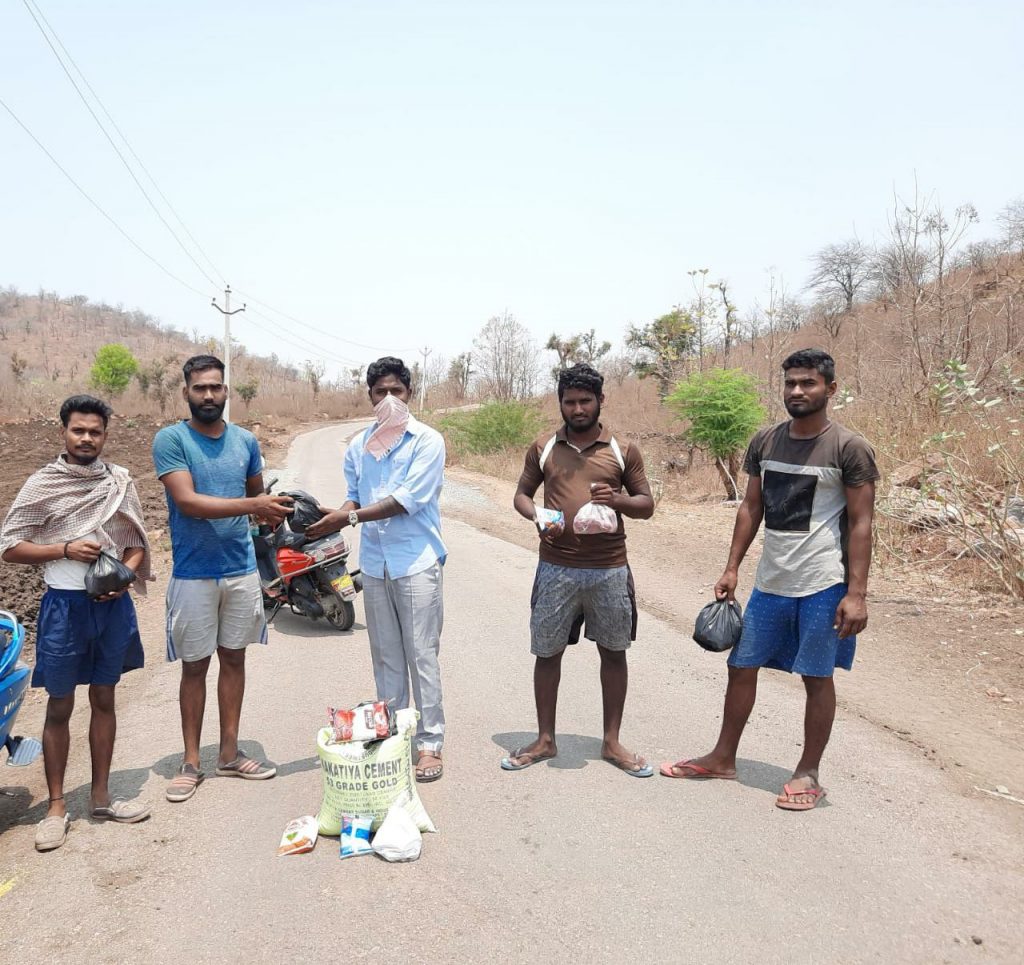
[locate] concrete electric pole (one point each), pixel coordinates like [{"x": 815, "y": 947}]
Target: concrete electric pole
[{"x": 227, "y": 313}]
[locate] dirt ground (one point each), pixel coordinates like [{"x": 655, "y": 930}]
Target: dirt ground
[
  {"x": 30, "y": 444},
  {"x": 940, "y": 666}
]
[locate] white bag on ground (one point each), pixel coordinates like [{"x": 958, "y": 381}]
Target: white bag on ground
[
  {"x": 398, "y": 838},
  {"x": 368, "y": 779}
]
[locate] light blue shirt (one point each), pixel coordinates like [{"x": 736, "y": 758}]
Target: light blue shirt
[{"x": 412, "y": 473}]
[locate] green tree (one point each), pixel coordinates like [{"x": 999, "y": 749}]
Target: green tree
[
  {"x": 723, "y": 410},
  {"x": 247, "y": 390},
  {"x": 661, "y": 347},
  {"x": 113, "y": 369},
  {"x": 493, "y": 427}
]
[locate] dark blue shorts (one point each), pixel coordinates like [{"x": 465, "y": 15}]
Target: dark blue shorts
[
  {"x": 794, "y": 633},
  {"x": 79, "y": 641}
]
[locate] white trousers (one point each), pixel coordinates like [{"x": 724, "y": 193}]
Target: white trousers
[{"x": 404, "y": 617}]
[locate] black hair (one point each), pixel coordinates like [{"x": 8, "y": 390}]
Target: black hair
[
  {"x": 389, "y": 365},
  {"x": 812, "y": 358},
  {"x": 87, "y": 404},
  {"x": 580, "y": 376},
  {"x": 201, "y": 363}
]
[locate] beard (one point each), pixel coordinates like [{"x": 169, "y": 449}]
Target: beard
[
  {"x": 84, "y": 458},
  {"x": 578, "y": 426},
  {"x": 808, "y": 408},
  {"x": 207, "y": 414}
]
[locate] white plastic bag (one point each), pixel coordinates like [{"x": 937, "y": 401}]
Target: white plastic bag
[
  {"x": 595, "y": 518},
  {"x": 398, "y": 838}
]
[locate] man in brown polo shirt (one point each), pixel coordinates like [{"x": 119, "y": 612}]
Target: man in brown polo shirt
[{"x": 582, "y": 577}]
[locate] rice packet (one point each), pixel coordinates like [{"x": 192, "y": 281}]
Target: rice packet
[
  {"x": 546, "y": 518},
  {"x": 299, "y": 836},
  {"x": 355, "y": 835}
]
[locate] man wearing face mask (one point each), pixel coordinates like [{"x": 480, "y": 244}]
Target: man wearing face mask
[
  {"x": 212, "y": 471},
  {"x": 394, "y": 471}
]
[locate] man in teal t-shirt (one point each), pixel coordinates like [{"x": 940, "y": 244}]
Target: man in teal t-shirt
[{"x": 213, "y": 477}]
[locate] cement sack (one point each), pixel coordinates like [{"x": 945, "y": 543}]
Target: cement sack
[{"x": 361, "y": 778}]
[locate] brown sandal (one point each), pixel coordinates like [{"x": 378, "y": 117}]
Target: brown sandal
[{"x": 425, "y": 775}]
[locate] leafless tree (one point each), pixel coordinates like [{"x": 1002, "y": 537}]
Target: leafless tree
[
  {"x": 1011, "y": 220},
  {"x": 506, "y": 358},
  {"x": 460, "y": 373},
  {"x": 841, "y": 271}
]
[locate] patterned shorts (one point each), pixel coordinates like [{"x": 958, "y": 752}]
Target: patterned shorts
[{"x": 566, "y": 596}]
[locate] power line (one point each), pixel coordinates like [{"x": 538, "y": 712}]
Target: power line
[
  {"x": 251, "y": 315},
  {"x": 96, "y": 205},
  {"x": 124, "y": 138},
  {"x": 28, "y": 6},
  {"x": 319, "y": 331}
]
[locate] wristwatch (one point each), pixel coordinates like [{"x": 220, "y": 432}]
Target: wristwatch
[{"x": 353, "y": 519}]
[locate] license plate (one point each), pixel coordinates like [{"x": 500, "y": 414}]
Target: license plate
[{"x": 344, "y": 586}]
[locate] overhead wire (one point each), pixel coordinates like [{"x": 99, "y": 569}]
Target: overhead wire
[
  {"x": 319, "y": 331},
  {"x": 85, "y": 194},
  {"x": 124, "y": 138},
  {"x": 28, "y": 4},
  {"x": 273, "y": 328},
  {"x": 40, "y": 19}
]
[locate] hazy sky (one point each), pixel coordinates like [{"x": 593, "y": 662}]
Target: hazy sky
[{"x": 394, "y": 173}]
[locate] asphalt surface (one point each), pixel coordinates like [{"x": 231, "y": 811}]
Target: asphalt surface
[{"x": 568, "y": 861}]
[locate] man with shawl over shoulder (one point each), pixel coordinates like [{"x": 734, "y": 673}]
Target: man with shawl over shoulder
[{"x": 65, "y": 515}]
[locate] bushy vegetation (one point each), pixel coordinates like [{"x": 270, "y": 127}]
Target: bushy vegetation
[
  {"x": 492, "y": 427},
  {"x": 113, "y": 369},
  {"x": 723, "y": 412}
]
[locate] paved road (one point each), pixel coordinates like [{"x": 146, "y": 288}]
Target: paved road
[{"x": 568, "y": 861}]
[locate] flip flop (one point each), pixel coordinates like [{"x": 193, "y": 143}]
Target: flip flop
[
  {"x": 122, "y": 812},
  {"x": 184, "y": 784},
  {"x": 508, "y": 764},
  {"x": 692, "y": 770},
  {"x": 642, "y": 770},
  {"x": 246, "y": 768},
  {"x": 818, "y": 793},
  {"x": 52, "y": 832}
]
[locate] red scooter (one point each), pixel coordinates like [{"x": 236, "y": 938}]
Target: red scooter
[{"x": 310, "y": 576}]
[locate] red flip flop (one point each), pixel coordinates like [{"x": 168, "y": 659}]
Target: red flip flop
[
  {"x": 816, "y": 792},
  {"x": 692, "y": 770}
]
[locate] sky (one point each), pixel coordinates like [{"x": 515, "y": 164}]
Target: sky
[{"x": 392, "y": 173}]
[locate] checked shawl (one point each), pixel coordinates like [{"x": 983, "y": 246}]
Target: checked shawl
[{"x": 63, "y": 502}]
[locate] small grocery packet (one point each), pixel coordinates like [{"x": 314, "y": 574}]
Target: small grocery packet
[
  {"x": 355, "y": 835},
  {"x": 299, "y": 836},
  {"x": 546, "y": 518},
  {"x": 368, "y": 721}
]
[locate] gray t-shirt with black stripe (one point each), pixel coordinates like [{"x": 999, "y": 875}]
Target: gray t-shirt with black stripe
[{"x": 803, "y": 489}]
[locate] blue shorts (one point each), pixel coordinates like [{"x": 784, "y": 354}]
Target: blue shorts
[
  {"x": 794, "y": 633},
  {"x": 80, "y": 641}
]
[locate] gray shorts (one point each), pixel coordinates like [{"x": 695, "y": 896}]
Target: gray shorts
[
  {"x": 203, "y": 615},
  {"x": 566, "y": 596}
]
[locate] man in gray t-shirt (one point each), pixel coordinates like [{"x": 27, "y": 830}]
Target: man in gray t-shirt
[{"x": 812, "y": 482}]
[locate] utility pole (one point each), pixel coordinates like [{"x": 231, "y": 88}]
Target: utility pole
[
  {"x": 426, "y": 353},
  {"x": 227, "y": 313}
]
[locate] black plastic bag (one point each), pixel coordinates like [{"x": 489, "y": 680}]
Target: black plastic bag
[
  {"x": 306, "y": 511},
  {"x": 107, "y": 574},
  {"x": 719, "y": 626}
]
